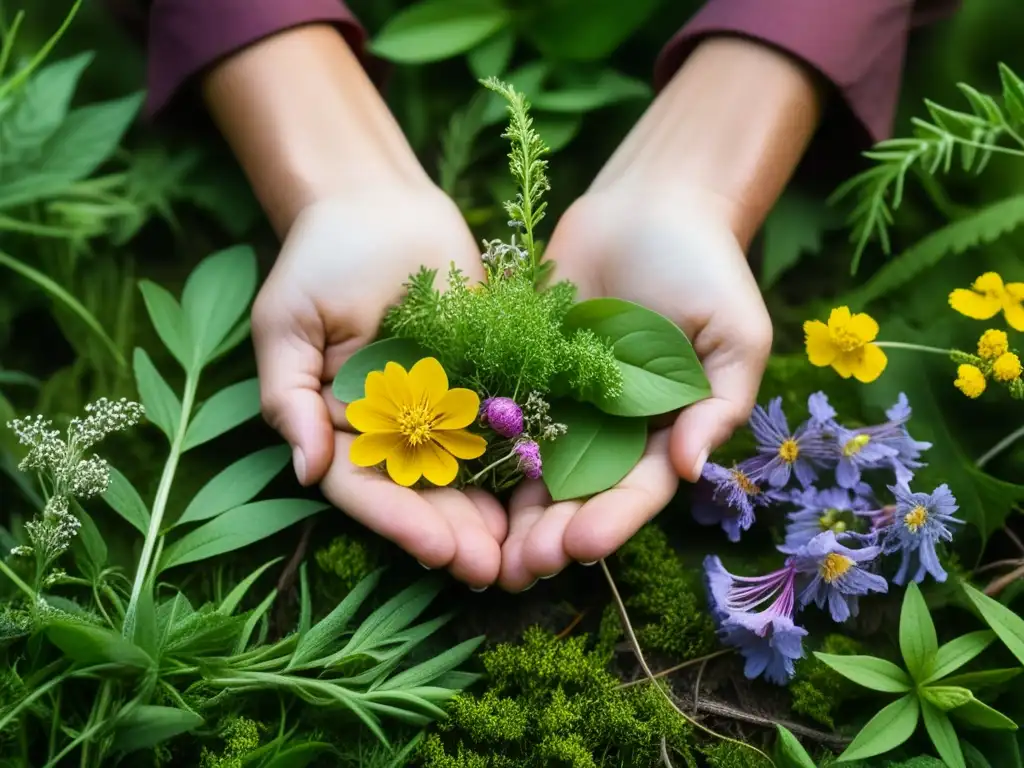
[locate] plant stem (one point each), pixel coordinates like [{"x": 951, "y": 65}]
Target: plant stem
[
  {"x": 163, "y": 493},
  {"x": 491, "y": 466},
  {"x": 914, "y": 347},
  {"x": 39, "y": 230},
  {"x": 29, "y": 592},
  {"x": 999, "y": 447},
  {"x": 677, "y": 667}
]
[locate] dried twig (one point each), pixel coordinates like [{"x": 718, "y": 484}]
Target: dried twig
[
  {"x": 720, "y": 709},
  {"x": 1014, "y": 538},
  {"x": 995, "y": 565},
  {"x": 664, "y": 753},
  {"x": 677, "y": 667},
  {"x": 998, "y": 585},
  {"x": 696, "y": 685},
  {"x": 572, "y": 625},
  {"x": 286, "y": 581}
]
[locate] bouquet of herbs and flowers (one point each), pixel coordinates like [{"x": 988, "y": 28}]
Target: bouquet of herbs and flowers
[{"x": 511, "y": 378}]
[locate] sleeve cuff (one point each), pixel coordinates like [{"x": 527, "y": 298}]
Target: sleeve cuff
[{"x": 187, "y": 36}]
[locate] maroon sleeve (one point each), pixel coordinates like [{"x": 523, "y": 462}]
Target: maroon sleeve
[
  {"x": 857, "y": 45},
  {"x": 186, "y": 36}
]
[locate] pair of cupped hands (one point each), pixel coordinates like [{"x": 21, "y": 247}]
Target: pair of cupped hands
[{"x": 671, "y": 248}]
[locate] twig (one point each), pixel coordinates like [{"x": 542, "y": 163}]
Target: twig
[
  {"x": 286, "y": 582},
  {"x": 720, "y": 709},
  {"x": 677, "y": 667},
  {"x": 664, "y": 753},
  {"x": 1012, "y": 562},
  {"x": 572, "y": 625},
  {"x": 998, "y": 585},
  {"x": 696, "y": 685},
  {"x": 1014, "y": 538}
]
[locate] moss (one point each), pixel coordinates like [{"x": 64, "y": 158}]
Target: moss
[
  {"x": 552, "y": 702},
  {"x": 728, "y": 754},
  {"x": 817, "y": 690},
  {"x": 348, "y": 558},
  {"x": 666, "y": 594},
  {"x": 241, "y": 736}
]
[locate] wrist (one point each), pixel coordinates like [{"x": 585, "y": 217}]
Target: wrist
[
  {"x": 729, "y": 128},
  {"x": 307, "y": 124}
]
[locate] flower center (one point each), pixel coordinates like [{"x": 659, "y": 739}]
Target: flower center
[
  {"x": 789, "y": 451},
  {"x": 855, "y": 445},
  {"x": 833, "y": 566},
  {"x": 745, "y": 484},
  {"x": 847, "y": 340},
  {"x": 416, "y": 422},
  {"x": 915, "y": 518},
  {"x": 831, "y": 521}
]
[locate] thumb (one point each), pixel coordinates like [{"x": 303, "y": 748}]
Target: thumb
[{"x": 290, "y": 363}]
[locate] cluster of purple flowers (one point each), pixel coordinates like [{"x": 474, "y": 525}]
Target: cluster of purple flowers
[{"x": 837, "y": 530}]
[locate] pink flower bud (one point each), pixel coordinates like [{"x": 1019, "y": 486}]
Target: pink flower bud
[{"x": 503, "y": 416}]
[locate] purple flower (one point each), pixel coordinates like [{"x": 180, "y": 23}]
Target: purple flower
[
  {"x": 920, "y": 521},
  {"x": 782, "y": 452},
  {"x": 768, "y": 639},
  {"x": 893, "y": 434},
  {"x": 823, "y": 415},
  {"x": 733, "y": 498},
  {"x": 528, "y": 453},
  {"x": 838, "y": 577},
  {"x": 831, "y": 509},
  {"x": 859, "y": 450},
  {"x": 503, "y": 416}
]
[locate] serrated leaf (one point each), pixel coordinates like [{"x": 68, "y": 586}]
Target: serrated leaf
[
  {"x": 918, "y": 642},
  {"x": 162, "y": 406},
  {"x": 238, "y": 484},
  {"x": 1004, "y": 622},
  {"x": 869, "y": 672},
  {"x": 527, "y": 79},
  {"x": 125, "y": 500},
  {"x": 168, "y": 321},
  {"x": 327, "y": 631},
  {"x": 432, "y": 30},
  {"x": 890, "y": 728},
  {"x": 943, "y": 735},
  {"x": 1013, "y": 94},
  {"x": 232, "y": 406},
  {"x": 957, "y": 652}
]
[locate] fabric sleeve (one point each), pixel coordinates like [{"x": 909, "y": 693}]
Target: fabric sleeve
[{"x": 857, "y": 45}]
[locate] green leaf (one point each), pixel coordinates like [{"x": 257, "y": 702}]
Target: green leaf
[
  {"x": 983, "y": 678},
  {"x": 172, "y": 613},
  {"x": 869, "y": 672},
  {"x": 585, "y": 30},
  {"x": 391, "y": 618},
  {"x": 660, "y": 370},
  {"x": 790, "y": 753},
  {"x": 236, "y": 336},
  {"x": 432, "y": 30},
  {"x": 144, "y": 628},
  {"x": 794, "y": 227},
  {"x": 1013, "y": 93},
  {"x": 89, "y": 644},
  {"x": 238, "y": 528},
  {"x": 232, "y": 406},
  {"x": 125, "y": 500},
  {"x": 980, "y": 715},
  {"x": 168, "y": 320},
  {"x": 236, "y": 595},
  {"x": 350, "y": 382},
  {"x": 147, "y": 725},
  {"x": 299, "y": 755},
  {"x": 162, "y": 406},
  {"x": 973, "y": 756},
  {"x": 253, "y": 620},
  {"x": 1001, "y": 747},
  {"x": 238, "y": 484},
  {"x": 945, "y": 697},
  {"x": 959, "y": 651},
  {"x": 325, "y": 632},
  {"x": 89, "y": 545},
  {"x": 918, "y": 642},
  {"x": 430, "y": 670},
  {"x": 40, "y": 107},
  {"x": 998, "y": 498},
  {"x": 596, "y": 452},
  {"x": 1004, "y": 622},
  {"x": 491, "y": 57},
  {"x": 892, "y": 726},
  {"x": 943, "y": 735},
  {"x": 215, "y": 297},
  {"x": 17, "y": 378},
  {"x": 305, "y": 601},
  {"x": 558, "y": 130},
  {"x": 606, "y": 88}
]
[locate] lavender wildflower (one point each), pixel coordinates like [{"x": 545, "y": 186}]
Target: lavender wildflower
[
  {"x": 838, "y": 576},
  {"x": 920, "y": 521},
  {"x": 831, "y": 509},
  {"x": 858, "y": 451},
  {"x": 782, "y": 452},
  {"x": 733, "y": 498},
  {"x": 823, "y": 415},
  {"x": 894, "y": 434},
  {"x": 530, "y": 464},
  {"x": 503, "y": 416}
]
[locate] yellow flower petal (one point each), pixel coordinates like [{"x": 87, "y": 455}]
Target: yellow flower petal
[
  {"x": 838, "y": 318},
  {"x": 846, "y": 362},
  {"x": 457, "y": 409},
  {"x": 990, "y": 283},
  {"x": 974, "y": 305},
  {"x": 1013, "y": 312},
  {"x": 461, "y": 444},
  {"x": 404, "y": 465},
  {"x": 399, "y": 386},
  {"x": 371, "y": 449},
  {"x": 439, "y": 466},
  {"x": 863, "y": 327},
  {"x": 1016, "y": 291},
  {"x": 375, "y": 415},
  {"x": 820, "y": 350},
  {"x": 377, "y": 388},
  {"x": 871, "y": 363},
  {"x": 429, "y": 380}
]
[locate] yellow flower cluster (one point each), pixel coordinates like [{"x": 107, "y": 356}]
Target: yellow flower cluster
[
  {"x": 995, "y": 361},
  {"x": 846, "y": 344},
  {"x": 987, "y": 297}
]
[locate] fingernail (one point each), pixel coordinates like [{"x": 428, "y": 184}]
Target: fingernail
[
  {"x": 702, "y": 459},
  {"x": 587, "y": 565},
  {"x": 550, "y": 576},
  {"x": 480, "y": 589},
  {"x": 529, "y": 586},
  {"x": 424, "y": 567},
  {"x": 299, "y": 462}
]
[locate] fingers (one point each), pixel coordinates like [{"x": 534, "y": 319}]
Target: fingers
[
  {"x": 477, "y": 553},
  {"x": 529, "y": 501}
]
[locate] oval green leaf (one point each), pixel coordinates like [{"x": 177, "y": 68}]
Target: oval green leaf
[
  {"x": 162, "y": 406},
  {"x": 790, "y": 753},
  {"x": 596, "y": 452},
  {"x": 892, "y": 726},
  {"x": 918, "y": 642},
  {"x": 125, "y": 500},
  {"x": 958, "y": 651},
  {"x": 660, "y": 370},
  {"x": 981, "y": 715},
  {"x": 433, "y": 30},
  {"x": 868, "y": 671},
  {"x": 1004, "y": 622},
  {"x": 89, "y": 644},
  {"x": 168, "y": 320},
  {"x": 223, "y": 412},
  {"x": 350, "y": 383},
  {"x": 491, "y": 57},
  {"x": 237, "y": 484}
]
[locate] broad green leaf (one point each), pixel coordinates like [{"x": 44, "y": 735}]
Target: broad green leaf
[
  {"x": 162, "y": 406},
  {"x": 216, "y": 296},
  {"x": 432, "y": 30},
  {"x": 660, "y": 370},
  {"x": 999, "y": 498},
  {"x": 204, "y": 633},
  {"x": 869, "y": 672},
  {"x": 892, "y": 726},
  {"x": 596, "y": 452},
  {"x": 325, "y": 632},
  {"x": 147, "y": 725},
  {"x": 170, "y": 613},
  {"x": 89, "y": 544},
  {"x": 299, "y": 755},
  {"x": 1013, "y": 94},
  {"x": 983, "y": 678},
  {"x": 89, "y": 644},
  {"x": 790, "y": 753},
  {"x": 557, "y": 130},
  {"x": 39, "y": 108},
  {"x": 793, "y": 228},
  {"x": 943, "y": 735},
  {"x": 918, "y": 642},
  {"x": 125, "y": 500},
  {"x": 1004, "y": 622},
  {"x": 608, "y": 87},
  {"x": 981, "y": 715},
  {"x": 238, "y": 484},
  {"x": 236, "y": 595},
  {"x": 430, "y": 670},
  {"x": 945, "y": 697},
  {"x": 959, "y": 651},
  {"x": 168, "y": 320},
  {"x": 491, "y": 57},
  {"x": 585, "y": 30},
  {"x": 232, "y": 406},
  {"x": 236, "y": 336},
  {"x": 350, "y": 382},
  {"x": 238, "y": 528}
]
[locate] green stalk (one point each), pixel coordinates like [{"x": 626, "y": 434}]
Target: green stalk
[
  {"x": 163, "y": 493},
  {"x": 29, "y": 592},
  {"x": 25, "y": 72},
  {"x": 914, "y": 347}
]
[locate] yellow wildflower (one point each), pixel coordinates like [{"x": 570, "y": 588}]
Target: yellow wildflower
[
  {"x": 1006, "y": 368},
  {"x": 992, "y": 344},
  {"x": 846, "y": 345},
  {"x": 970, "y": 380},
  {"x": 415, "y": 423},
  {"x": 987, "y": 296}
]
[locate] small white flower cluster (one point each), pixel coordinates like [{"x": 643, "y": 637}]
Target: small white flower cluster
[
  {"x": 105, "y": 417},
  {"x": 52, "y": 531},
  {"x": 502, "y": 258},
  {"x": 537, "y": 419}
]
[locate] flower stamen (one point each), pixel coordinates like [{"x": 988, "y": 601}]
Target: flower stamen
[
  {"x": 916, "y": 518},
  {"x": 833, "y": 566},
  {"x": 855, "y": 445},
  {"x": 789, "y": 451}
]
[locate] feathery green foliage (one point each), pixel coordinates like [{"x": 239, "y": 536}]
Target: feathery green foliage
[
  {"x": 817, "y": 690},
  {"x": 241, "y": 737}
]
